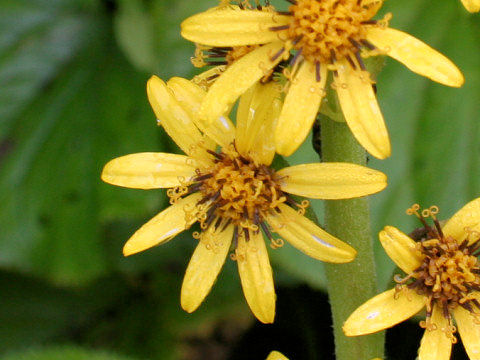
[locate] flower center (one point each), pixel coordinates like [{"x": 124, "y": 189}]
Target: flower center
[
  {"x": 238, "y": 191},
  {"x": 328, "y": 30},
  {"x": 450, "y": 270}
]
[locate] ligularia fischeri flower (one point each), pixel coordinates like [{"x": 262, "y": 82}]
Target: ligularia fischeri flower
[
  {"x": 443, "y": 276},
  {"x": 317, "y": 37},
  {"x": 233, "y": 192},
  {"x": 471, "y": 5}
]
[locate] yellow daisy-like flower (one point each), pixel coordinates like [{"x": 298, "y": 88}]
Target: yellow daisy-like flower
[
  {"x": 233, "y": 193},
  {"x": 471, "y": 5},
  {"x": 318, "y": 37},
  {"x": 443, "y": 275}
]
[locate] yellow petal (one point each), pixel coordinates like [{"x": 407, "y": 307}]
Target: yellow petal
[
  {"x": 469, "y": 330},
  {"x": 383, "y": 311},
  {"x": 204, "y": 266},
  {"x": 256, "y": 276},
  {"x": 172, "y": 116},
  {"x": 435, "y": 345},
  {"x": 148, "y": 170},
  {"x": 300, "y": 108},
  {"x": 256, "y": 119},
  {"x": 162, "y": 227},
  {"x": 307, "y": 237},
  {"x": 331, "y": 180},
  {"x": 416, "y": 55},
  {"x": 400, "y": 248},
  {"x": 360, "y": 108},
  {"x": 231, "y": 26},
  {"x": 466, "y": 220},
  {"x": 237, "y": 79},
  {"x": 471, "y": 5},
  {"x": 190, "y": 96},
  {"x": 275, "y": 355}
]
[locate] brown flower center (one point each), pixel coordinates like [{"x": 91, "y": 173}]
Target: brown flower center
[
  {"x": 239, "y": 190},
  {"x": 449, "y": 272},
  {"x": 236, "y": 190},
  {"x": 329, "y": 29}
]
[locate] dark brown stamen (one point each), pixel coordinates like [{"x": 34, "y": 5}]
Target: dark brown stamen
[
  {"x": 317, "y": 72},
  {"x": 277, "y": 55},
  {"x": 295, "y": 57},
  {"x": 360, "y": 61},
  {"x": 279, "y": 28},
  {"x": 203, "y": 177},
  {"x": 351, "y": 62},
  {"x": 368, "y": 44}
]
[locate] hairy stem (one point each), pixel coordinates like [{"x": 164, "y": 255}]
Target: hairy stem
[{"x": 349, "y": 285}]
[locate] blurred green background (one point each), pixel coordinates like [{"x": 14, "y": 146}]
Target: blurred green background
[{"x": 72, "y": 97}]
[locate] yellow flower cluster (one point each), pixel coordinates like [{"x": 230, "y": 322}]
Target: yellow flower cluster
[{"x": 277, "y": 67}]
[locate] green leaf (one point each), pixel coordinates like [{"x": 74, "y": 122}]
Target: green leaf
[
  {"x": 135, "y": 33},
  {"x": 63, "y": 353},
  {"x": 149, "y": 34},
  {"x": 37, "y": 39},
  {"x": 52, "y": 201}
]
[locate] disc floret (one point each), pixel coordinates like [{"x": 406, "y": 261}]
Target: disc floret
[
  {"x": 328, "y": 30},
  {"x": 236, "y": 190}
]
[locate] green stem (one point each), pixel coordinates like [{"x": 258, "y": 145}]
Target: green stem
[{"x": 349, "y": 285}]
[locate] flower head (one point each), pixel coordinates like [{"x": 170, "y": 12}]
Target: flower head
[
  {"x": 233, "y": 192},
  {"x": 472, "y": 5},
  {"x": 443, "y": 275},
  {"x": 317, "y": 37}
]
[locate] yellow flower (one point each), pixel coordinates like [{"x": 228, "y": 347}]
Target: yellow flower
[
  {"x": 443, "y": 275},
  {"x": 471, "y": 5},
  {"x": 233, "y": 193},
  {"x": 275, "y": 355},
  {"x": 318, "y": 37}
]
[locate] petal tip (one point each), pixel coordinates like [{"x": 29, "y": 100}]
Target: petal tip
[
  {"x": 128, "y": 249},
  {"x": 187, "y": 304}
]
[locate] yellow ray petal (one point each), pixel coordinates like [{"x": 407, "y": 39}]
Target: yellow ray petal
[
  {"x": 256, "y": 119},
  {"x": 172, "y": 116},
  {"x": 307, "y": 237},
  {"x": 400, "y": 248},
  {"x": 383, "y": 311},
  {"x": 469, "y": 330},
  {"x": 331, "y": 180},
  {"x": 416, "y": 55},
  {"x": 275, "y": 355},
  {"x": 471, "y": 5},
  {"x": 238, "y": 78},
  {"x": 204, "y": 267},
  {"x": 360, "y": 108},
  {"x": 300, "y": 108},
  {"x": 465, "y": 221},
  {"x": 148, "y": 170},
  {"x": 163, "y": 226},
  {"x": 190, "y": 96},
  {"x": 231, "y": 26},
  {"x": 435, "y": 344},
  {"x": 256, "y": 276}
]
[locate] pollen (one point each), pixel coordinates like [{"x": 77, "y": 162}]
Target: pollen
[
  {"x": 449, "y": 272},
  {"x": 329, "y": 30}
]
